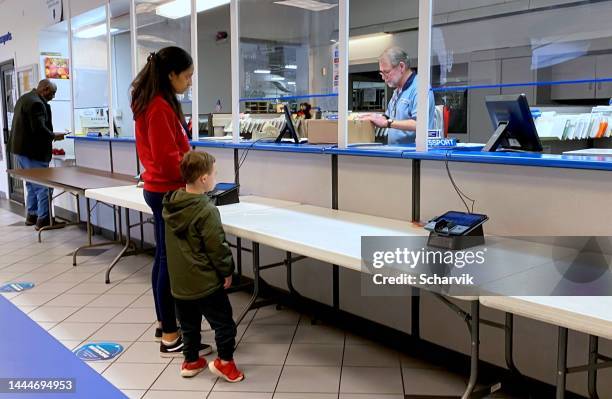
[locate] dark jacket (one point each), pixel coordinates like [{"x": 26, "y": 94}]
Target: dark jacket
[
  {"x": 32, "y": 131},
  {"x": 199, "y": 258}
]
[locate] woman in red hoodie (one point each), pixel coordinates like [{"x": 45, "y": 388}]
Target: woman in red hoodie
[{"x": 161, "y": 142}]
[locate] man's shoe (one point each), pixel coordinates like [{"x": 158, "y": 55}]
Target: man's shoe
[
  {"x": 227, "y": 371},
  {"x": 191, "y": 369},
  {"x": 44, "y": 222},
  {"x": 31, "y": 220}
]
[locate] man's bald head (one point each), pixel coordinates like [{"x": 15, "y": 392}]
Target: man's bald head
[{"x": 46, "y": 89}]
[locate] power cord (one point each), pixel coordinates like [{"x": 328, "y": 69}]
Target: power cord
[
  {"x": 244, "y": 156},
  {"x": 462, "y": 196}
]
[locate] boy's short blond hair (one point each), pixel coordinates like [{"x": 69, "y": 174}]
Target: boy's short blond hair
[{"x": 196, "y": 164}]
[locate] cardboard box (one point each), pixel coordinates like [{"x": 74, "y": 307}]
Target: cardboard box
[{"x": 321, "y": 131}]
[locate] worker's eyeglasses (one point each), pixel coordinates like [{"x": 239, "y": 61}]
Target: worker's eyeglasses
[{"x": 387, "y": 72}]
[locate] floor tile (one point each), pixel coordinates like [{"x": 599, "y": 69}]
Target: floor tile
[
  {"x": 124, "y": 288},
  {"x": 177, "y": 395},
  {"x": 240, "y": 395},
  {"x": 134, "y": 393},
  {"x": 120, "y": 332},
  {"x": 309, "y": 379},
  {"x": 318, "y": 334},
  {"x": 144, "y": 301},
  {"x": 171, "y": 380},
  {"x": 315, "y": 355},
  {"x": 433, "y": 382},
  {"x": 132, "y": 376},
  {"x": 72, "y": 300},
  {"x": 369, "y": 396},
  {"x": 90, "y": 288},
  {"x": 371, "y": 380},
  {"x": 143, "y": 352},
  {"x": 74, "y": 331},
  {"x": 257, "y": 379},
  {"x": 53, "y": 287},
  {"x": 113, "y": 301},
  {"x": 135, "y": 315},
  {"x": 50, "y": 313},
  {"x": 370, "y": 356},
  {"x": 46, "y": 325},
  {"x": 71, "y": 344},
  {"x": 261, "y": 354},
  {"x": 288, "y": 395},
  {"x": 269, "y": 315},
  {"x": 92, "y": 315},
  {"x": 268, "y": 334},
  {"x": 99, "y": 366},
  {"x": 32, "y": 298}
]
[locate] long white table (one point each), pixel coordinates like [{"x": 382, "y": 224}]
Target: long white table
[
  {"x": 334, "y": 237},
  {"x": 589, "y": 315}
]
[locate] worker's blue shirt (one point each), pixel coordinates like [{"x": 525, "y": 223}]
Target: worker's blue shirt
[{"x": 403, "y": 106}]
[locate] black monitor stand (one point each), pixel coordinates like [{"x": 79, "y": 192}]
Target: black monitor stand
[
  {"x": 289, "y": 129},
  {"x": 499, "y": 137}
]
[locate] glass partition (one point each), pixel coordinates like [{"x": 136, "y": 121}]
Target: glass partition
[
  {"x": 55, "y": 65},
  {"x": 287, "y": 61},
  {"x": 372, "y": 94},
  {"x": 214, "y": 62},
  {"x": 90, "y": 70},
  {"x": 121, "y": 67},
  {"x": 161, "y": 24},
  {"x": 557, "y": 53}
]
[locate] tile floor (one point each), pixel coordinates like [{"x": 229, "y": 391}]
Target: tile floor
[{"x": 282, "y": 355}]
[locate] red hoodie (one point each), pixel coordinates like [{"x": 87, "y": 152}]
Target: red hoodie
[{"x": 161, "y": 143}]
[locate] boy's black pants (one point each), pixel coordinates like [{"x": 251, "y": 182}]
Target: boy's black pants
[{"x": 217, "y": 310}]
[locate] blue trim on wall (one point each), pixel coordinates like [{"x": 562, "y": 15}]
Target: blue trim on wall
[
  {"x": 502, "y": 85},
  {"x": 408, "y": 152}
]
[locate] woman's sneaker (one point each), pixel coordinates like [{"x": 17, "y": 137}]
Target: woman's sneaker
[
  {"x": 191, "y": 369},
  {"x": 158, "y": 334},
  {"x": 227, "y": 371},
  {"x": 176, "y": 349}
]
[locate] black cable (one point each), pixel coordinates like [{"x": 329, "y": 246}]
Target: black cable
[
  {"x": 461, "y": 194},
  {"x": 244, "y": 155}
]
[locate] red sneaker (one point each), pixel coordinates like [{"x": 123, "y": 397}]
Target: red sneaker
[
  {"x": 229, "y": 372},
  {"x": 191, "y": 369}
]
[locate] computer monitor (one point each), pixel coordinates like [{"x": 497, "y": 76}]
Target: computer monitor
[
  {"x": 289, "y": 128},
  {"x": 513, "y": 124}
]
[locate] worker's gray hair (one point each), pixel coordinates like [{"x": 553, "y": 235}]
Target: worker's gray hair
[
  {"x": 395, "y": 55},
  {"x": 46, "y": 83}
]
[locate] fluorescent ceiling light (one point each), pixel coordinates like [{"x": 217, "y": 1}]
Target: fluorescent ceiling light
[
  {"x": 311, "y": 5},
  {"x": 291, "y": 83},
  {"x": 181, "y": 8},
  {"x": 277, "y": 78},
  {"x": 262, "y": 71},
  {"x": 93, "y": 31},
  {"x": 290, "y": 66}
]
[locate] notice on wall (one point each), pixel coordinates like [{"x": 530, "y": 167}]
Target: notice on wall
[
  {"x": 57, "y": 68},
  {"x": 336, "y": 68}
]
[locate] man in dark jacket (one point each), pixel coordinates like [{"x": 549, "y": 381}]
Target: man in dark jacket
[{"x": 31, "y": 141}]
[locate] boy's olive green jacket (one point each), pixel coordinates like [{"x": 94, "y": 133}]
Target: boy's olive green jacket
[{"x": 199, "y": 258}]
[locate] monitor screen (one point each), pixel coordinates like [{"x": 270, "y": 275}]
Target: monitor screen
[{"x": 513, "y": 124}]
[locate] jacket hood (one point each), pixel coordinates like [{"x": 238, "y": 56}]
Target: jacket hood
[{"x": 179, "y": 209}]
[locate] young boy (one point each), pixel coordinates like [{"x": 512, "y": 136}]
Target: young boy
[{"x": 200, "y": 265}]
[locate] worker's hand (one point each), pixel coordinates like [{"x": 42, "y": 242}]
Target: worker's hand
[
  {"x": 59, "y": 136},
  {"x": 377, "y": 120},
  {"x": 228, "y": 282}
]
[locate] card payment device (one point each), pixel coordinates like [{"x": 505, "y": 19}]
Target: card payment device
[{"x": 456, "y": 230}]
